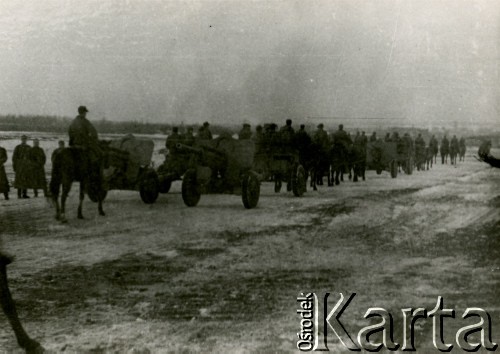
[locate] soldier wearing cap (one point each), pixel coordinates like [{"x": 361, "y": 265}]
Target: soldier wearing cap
[
  {"x": 245, "y": 132},
  {"x": 83, "y": 135},
  {"x": 204, "y": 132},
  {"x": 340, "y": 137},
  {"x": 286, "y": 136},
  {"x": 81, "y": 132},
  {"x": 38, "y": 159},
  {"x": 4, "y": 182},
  {"x": 320, "y": 138},
  {"x": 21, "y": 164}
]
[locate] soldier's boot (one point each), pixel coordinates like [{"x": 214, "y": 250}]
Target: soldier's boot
[{"x": 6, "y": 195}]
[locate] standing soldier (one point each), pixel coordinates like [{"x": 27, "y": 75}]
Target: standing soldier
[
  {"x": 204, "y": 132},
  {"x": 434, "y": 147},
  {"x": 245, "y": 132},
  {"x": 420, "y": 151},
  {"x": 454, "y": 150},
  {"x": 340, "y": 137},
  {"x": 387, "y": 138},
  {"x": 444, "y": 149},
  {"x": 38, "y": 159},
  {"x": 461, "y": 149},
  {"x": 4, "y": 182},
  {"x": 287, "y": 134},
  {"x": 373, "y": 137},
  {"x": 188, "y": 137},
  {"x": 302, "y": 141},
  {"x": 22, "y": 167}
]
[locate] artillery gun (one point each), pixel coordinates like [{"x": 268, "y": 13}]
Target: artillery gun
[{"x": 220, "y": 166}]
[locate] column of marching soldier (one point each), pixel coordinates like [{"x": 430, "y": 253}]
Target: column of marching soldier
[{"x": 28, "y": 161}]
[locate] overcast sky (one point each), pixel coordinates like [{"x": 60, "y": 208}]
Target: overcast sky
[{"x": 416, "y": 61}]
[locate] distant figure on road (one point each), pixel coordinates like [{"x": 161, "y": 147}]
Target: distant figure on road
[
  {"x": 204, "y": 132},
  {"x": 4, "y": 183},
  {"x": 188, "y": 137},
  {"x": 21, "y": 164},
  {"x": 38, "y": 159},
  {"x": 444, "y": 149},
  {"x": 245, "y": 132}
]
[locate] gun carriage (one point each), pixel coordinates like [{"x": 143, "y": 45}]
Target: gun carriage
[{"x": 222, "y": 165}]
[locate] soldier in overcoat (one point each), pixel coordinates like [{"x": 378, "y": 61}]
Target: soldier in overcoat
[{"x": 21, "y": 164}]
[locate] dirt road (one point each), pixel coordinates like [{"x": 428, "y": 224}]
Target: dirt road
[{"x": 218, "y": 277}]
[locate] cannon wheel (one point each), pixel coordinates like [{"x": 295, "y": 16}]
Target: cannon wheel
[
  {"x": 149, "y": 187},
  {"x": 277, "y": 184},
  {"x": 165, "y": 185},
  {"x": 394, "y": 168},
  {"x": 190, "y": 189},
  {"x": 299, "y": 182},
  {"x": 250, "y": 190}
]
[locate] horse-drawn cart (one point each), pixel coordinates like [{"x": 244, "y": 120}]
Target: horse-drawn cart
[
  {"x": 285, "y": 167},
  {"x": 129, "y": 167},
  {"x": 382, "y": 155},
  {"x": 222, "y": 165}
]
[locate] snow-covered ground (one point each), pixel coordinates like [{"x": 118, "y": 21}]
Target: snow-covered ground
[{"x": 220, "y": 278}]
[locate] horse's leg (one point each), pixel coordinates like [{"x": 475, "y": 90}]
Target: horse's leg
[
  {"x": 80, "y": 201},
  {"x": 100, "y": 209},
  {"x": 313, "y": 179},
  {"x": 9, "y": 308},
  {"x": 66, "y": 186}
]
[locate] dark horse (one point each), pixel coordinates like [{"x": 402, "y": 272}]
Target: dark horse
[
  {"x": 9, "y": 308},
  {"x": 75, "y": 164},
  {"x": 317, "y": 164}
]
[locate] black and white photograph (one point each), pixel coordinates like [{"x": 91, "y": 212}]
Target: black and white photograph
[{"x": 249, "y": 176}]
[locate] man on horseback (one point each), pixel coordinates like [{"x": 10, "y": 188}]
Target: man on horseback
[{"x": 82, "y": 134}]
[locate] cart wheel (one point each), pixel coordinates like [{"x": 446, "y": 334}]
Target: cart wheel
[
  {"x": 250, "y": 190},
  {"x": 277, "y": 184},
  {"x": 190, "y": 189},
  {"x": 394, "y": 169},
  {"x": 299, "y": 183},
  {"x": 165, "y": 185},
  {"x": 149, "y": 187}
]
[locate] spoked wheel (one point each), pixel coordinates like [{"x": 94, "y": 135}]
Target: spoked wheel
[
  {"x": 299, "y": 182},
  {"x": 190, "y": 189},
  {"x": 149, "y": 187},
  {"x": 277, "y": 184},
  {"x": 394, "y": 168},
  {"x": 250, "y": 187}
]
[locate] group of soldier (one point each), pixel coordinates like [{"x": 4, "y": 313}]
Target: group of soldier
[
  {"x": 270, "y": 140},
  {"x": 28, "y": 163}
]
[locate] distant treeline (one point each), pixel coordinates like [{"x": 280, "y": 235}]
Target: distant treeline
[{"x": 60, "y": 125}]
